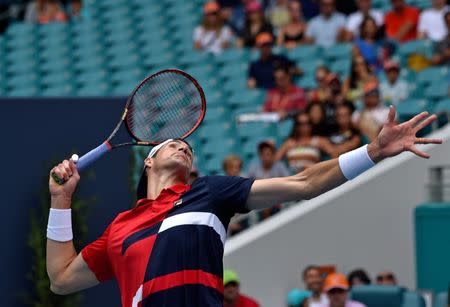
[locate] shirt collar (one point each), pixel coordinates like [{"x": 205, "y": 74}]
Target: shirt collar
[{"x": 176, "y": 189}]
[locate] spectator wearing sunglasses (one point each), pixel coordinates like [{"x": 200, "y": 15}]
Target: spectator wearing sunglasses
[
  {"x": 336, "y": 287},
  {"x": 386, "y": 278}
]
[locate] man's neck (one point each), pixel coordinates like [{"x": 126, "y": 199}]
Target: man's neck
[
  {"x": 327, "y": 16},
  {"x": 158, "y": 182}
]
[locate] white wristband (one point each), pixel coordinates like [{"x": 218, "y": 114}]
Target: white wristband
[
  {"x": 59, "y": 227},
  {"x": 355, "y": 162}
]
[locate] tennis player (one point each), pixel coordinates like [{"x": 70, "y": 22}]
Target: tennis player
[{"x": 168, "y": 249}]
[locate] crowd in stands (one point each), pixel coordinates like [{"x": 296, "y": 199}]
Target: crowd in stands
[
  {"x": 344, "y": 110},
  {"x": 322, "y": 288}
]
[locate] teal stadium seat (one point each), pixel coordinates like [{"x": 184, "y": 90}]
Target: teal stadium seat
[
  {"x": 305, "y": 53},
  {"x": 441, "y": 300},
  {"x": 216, "y": 114},
  {"x": 92, "y": 76},
  {"x": 248, "y": 131},
  {"x": 415, "y": 47},
  {"x": 232, "y": 56},
  {"x": 22, "y": 80},
  {"x": 413, "y": 299},
  {"x": 377, "y": 296},
  {"x": 431, "y": 75},
  {"x": 437, "y": 90},
  {"x": 24, "y": 92},
  {"x": 409, "y": 108},
  {"x": 247, "y": 97},
  {"x": 233, "y": 70},
  {"x": 307, "y": 82},
  {"x": 56, "y": 78},
  {"x": 61, "y": 90},
  {"x": 94, "y": 89},
  {"x": 88, "y": 64},
  {"x": 338, "y": 51},
  {"x": 443, "y": 106}
]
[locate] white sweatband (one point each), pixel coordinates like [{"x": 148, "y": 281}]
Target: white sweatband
[
  {"x": 59, "y": 227},
  {"x": 355, "y": 162}
]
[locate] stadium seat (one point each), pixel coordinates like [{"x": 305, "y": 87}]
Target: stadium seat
[
  {"x": 377, "y": 296},
  {"x": 304, "y": 53},
  {"x": 234, "y": 70},
  {"x": 413, "y": 299},
  {"x": 437, "y": 90},
  {"x": 216, "y": 114},
  {"x": 415, "y": 47},
  {"x": 342, "y": 67},
  {"x": 246, "y": 97},
  {"x": 24, "y": 91},
  {"x": 94, "y": 89},
  {"x": 441, "y": 300},
  {"x": 338, "y": 51},
  {"x": 431, "y": 75},
  {"x": 443, "y": 106},
  {"x": 232, "y": 56},
  {"x": 58, "y": 91},
  {"x": 409, "y": 108},
  {"x": 307, "y": 82},
  {"x": 257, "y": 130},
  {"x": 57, "y": 78}
]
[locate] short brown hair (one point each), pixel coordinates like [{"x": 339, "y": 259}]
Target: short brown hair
[{"x": 230, "y": 159}]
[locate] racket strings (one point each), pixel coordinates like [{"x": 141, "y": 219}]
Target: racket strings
[{"x": 167, "y": 105}]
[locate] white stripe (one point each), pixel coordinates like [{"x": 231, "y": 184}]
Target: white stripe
[{"x": 195, "y": 218}]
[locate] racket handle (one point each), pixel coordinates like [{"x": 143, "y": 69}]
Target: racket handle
[{"x": 93, "y": 155}]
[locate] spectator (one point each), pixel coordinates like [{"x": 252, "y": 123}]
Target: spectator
[
  {"x": 212, "y": 36},
  {"x": 401, "y": 22},
  {"x": 78, "y": 11},
  {"x": 301, "y": 148},
  {"x": 442, "y": 49},
  {"x": 233, "y": 13},
  {"x": 393, "y": 90},
  {"x": 336, "y": 287},
  {"x": 255, "y": 23},
  {"x": 293, "y": 33},
  {"x": 374, "y": 114},
  {"x": 261, "y": 71},
  {"x": 320, "y": 93},
  {"x": 279, "y": 13},
  {"x": 364, "y": 10},
  {"x": 360, "y": 75},
  {"x": 53, "y": 13},
  {"x": 431, "y": 22},
  {"x": 368, "y": 42},
  {"x": 232, "y": 166},
  {"x": 317, "y": 115},
  {"x": 358, "y": 277},
  {"x": 298, "y": 298},
  {"x": 346, "y": 137},
  {"x": 267, "y": 166},
  {"x": 314, "y": 283},
  {"x": 231, "y": 294},
  {"x": 386, "y": 278},
  {"x": 327, "y": 28},
  {"x": 286, "y": 98},
  {"x": 34, "y": 10}
]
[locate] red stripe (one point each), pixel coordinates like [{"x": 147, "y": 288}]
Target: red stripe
[
  {"x": 108, "y": 145},
  {"x": 192, "y": 277}
]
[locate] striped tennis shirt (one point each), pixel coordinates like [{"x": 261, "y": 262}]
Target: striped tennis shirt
[{"x": 168, "y": 251}]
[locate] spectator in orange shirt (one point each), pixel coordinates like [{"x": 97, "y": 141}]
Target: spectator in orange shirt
[
  {"x": 401, "y": 23},
  {"x": 53, "y": 13},
  {"x": 286, "y": 98}
]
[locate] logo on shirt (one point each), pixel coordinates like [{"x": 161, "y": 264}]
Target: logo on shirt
[{"x": 178, "y": 202}]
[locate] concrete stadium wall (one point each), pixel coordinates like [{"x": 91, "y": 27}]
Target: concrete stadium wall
[{"x": 365, "y": 223}]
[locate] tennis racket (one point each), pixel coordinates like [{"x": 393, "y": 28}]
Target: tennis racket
[{"x": 166, "y": 105}]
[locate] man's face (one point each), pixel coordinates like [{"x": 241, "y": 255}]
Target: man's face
[
  {"x": 231, "y": 291},
  {"x": 438, "y": 3},
  {"x": 337, "y": 297},
  {"x": 364, "y": 5},
  {"x": 398, "y": 4},
  {"x": 386, "y": 279},
  {"x": 266, "y": 50},
  {"x": 313, "y": 281},
  {"x": 233, "y": 168},
  {"x": 327, "y": 7},
  {"x": 371, "y": 101},
  {"x": 392, "y": 75},
  {"x": 282, "y": 79},
  {"x": 267, "y": 156},
  {"x": 175, "y": 154}
]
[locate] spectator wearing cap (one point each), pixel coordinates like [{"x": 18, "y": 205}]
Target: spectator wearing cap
[
  {"x": 212, "y": 35},
  {"x": 374, "y": 113},
  {"x": 431, "y": 22},
  {"x": 393, "y": 90},
  {"x": 298, "y": 298},
  {"x": 442, "y": 48},
  {"x": 267, "y": 166},
  {"x": 336, "y": 287},
  {"x": 231, "y": 293},
  {"x": 286, "y": 98},
  {"x": 355, "y": 19},
  {"x": 386, "y": 278},
  {"x": 326, "y": 29},
  {"x": 261, "y": 72},
  {"x": 401, "y": 22},
  {"x": 358, "y": 277},
  {"x": 255, "y": 23},
  {"x": 313, "y": 281}
]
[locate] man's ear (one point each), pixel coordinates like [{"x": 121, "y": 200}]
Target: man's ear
[{"x": 148, "y": 162}]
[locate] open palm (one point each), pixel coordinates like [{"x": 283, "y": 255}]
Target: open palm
[{"x": 396, "y": 138}]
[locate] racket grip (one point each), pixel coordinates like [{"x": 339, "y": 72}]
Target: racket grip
[{"x": 93, "y": 155}]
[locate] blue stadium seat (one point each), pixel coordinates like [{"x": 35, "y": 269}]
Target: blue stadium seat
[
  {"x": 248, "y": 131},
  {"x": 232, "y": 55},
  {"x": 442, "y": 106},
  {"x": 409, "y": 108},
  {"x": 215, "y": 130},
  {"x": 441, "y": 300},
  {"x": 305, "y": 53},
  {"x": 415, "y": 47},
  {"x": 216, "y": 114},
  {"x": 432, "y": 74},
  {"x": 86, "y": 64},
  {"x": 127, "y": 75},
  {"x": 413, "y": 299},
  {"x": 374, "y": 296},
  {"x": 54, "y": 79},
  {"x": 307, "y": 82},
  {"x": 94, "y": 89},
  {"x": 338, "y": 51},
  {"x": 437, "y": 90},
  {"x": 22, "y": 80},
  {"x": 60, "y": 90},
  {"x": 246, "y": 97},
  {"x": 342, "y": 67},
  {"x": 233, "y": 70},
  {"x": 92, "y": 77},
  {"x": 24, "y": 91}
]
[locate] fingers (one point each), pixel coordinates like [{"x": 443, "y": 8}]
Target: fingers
[
  {"x": 64, "y": 171},
  {"x": 419, "y": 153},
  {"x": 416, "y": 119},
  {"x": 428, "y": 141},
  {"x": 426, "y": 122},
  {"x": 391, "y": 116}
]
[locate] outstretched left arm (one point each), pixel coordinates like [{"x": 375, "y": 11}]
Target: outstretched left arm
[{"x": 392, "y": 140}]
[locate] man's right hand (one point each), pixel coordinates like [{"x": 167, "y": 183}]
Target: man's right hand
[{"x": 62, "y": 193}]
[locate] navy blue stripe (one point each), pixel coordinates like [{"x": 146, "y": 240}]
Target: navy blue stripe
[
  {"x": 140, "y": 235},
  {"x": 186, "y": 247},
  {"x": 185, "y": 296}
]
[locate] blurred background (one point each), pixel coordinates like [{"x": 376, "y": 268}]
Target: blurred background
[{"x": 288, "y": 83}]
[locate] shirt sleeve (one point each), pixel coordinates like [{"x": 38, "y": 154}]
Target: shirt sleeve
[
  {"x": 226, "y": 34},
  {"x": 310, "y": 29},
  {"x": 268, "y": 103},
  {"x": 197, "y": 34},
  {"x": 230, "y": 192},
  {"x": 97, "y": 259}
]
